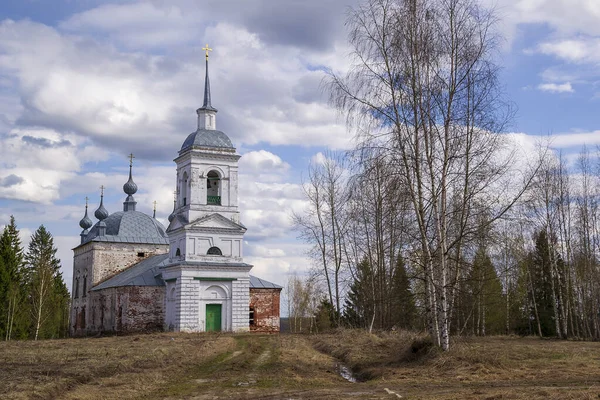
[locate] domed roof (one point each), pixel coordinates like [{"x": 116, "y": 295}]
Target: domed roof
[
  {"x": 85, "y": 222},
  {"x": 130, "y": 227},
  {"x": 207, "y": 138},
  {"x": 101, "y": 213}
]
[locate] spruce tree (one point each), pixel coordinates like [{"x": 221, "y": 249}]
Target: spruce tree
[
  {"x": 403, "y": 303},
  {"x": 541, "y": 284},
  {"x": 359, "y": 305},
  {"x": 486, "y": 296},
  {"x": 49, "y": 298},
  {"x": 13, "y": 311}
]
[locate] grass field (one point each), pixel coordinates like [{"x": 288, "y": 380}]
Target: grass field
[{"x": 224, "y": 366}]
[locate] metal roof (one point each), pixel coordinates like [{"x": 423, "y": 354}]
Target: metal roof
[
  {"x": 148, "y": 273},
  {"x": 207, "y": 138},
  {"x": 130, "y": 227},
  {"x": 144, "y": 273},
  {"x": 257, "y": 283}
]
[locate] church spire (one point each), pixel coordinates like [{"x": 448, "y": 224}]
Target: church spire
[
  {"x": 206, "y": 113},
  {"x": 206, "y": 105}
]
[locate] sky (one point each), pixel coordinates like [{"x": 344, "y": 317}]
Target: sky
[{"x": 83, "y": 83}]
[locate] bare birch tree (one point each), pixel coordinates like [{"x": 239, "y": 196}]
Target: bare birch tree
[
  {"x": 424, "y": 86},
  {"x": 324, "y": 222}
]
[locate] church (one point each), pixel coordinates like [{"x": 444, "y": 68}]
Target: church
[{"x": 130, "y": 274}]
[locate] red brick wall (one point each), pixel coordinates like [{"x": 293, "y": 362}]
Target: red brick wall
[
  {"x": 266, "y": 309},
  {"x": 125, "y": 309}
]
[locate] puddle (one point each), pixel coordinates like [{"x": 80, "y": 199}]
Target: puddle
[{"x": 345, "y": 372}]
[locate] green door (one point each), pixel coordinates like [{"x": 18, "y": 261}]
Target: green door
[{"x": 213, "y": 317}]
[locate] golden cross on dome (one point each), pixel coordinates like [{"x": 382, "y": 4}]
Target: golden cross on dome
[
  {"x": 154, "y": 205},
  {"x": 102, "y": 190},
  {"x": 131, "y": 157},
  {"x": 86, "y": 201},
  {"x": 207, "y": 49}
]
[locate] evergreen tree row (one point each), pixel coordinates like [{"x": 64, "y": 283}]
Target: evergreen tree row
[{"x": 34, "y": 300}]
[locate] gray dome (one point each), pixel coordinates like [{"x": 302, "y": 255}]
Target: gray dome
[
  {"x": 130, "y": 187},
  {"x": 207, "y": 138},
  {"x": 101, "y": 213},
  {"x": 130, "y": 227},
  {"x": 86, "y": 222}
]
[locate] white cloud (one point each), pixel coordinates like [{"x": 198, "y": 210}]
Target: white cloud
[
  {"x": 571, "y": 140},
  {"x": 575, "y": 50},
  {"x": 566, "y": 16},
  {"x": 131, "y": 100},
  {"x": 556, "y": 88},
  {"x": 35, "y": 162},
  {"x": 318, "y": 159},
  {"x": 136, "y": 25},
  {"x": 262, "y": 160}
]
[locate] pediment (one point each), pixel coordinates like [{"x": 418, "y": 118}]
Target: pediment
[
  {"x": 177, "y": 222},
  {"x": 215, "y": 221}
]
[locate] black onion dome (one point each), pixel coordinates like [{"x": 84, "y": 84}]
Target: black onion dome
[
  {"x": 101, "y": 213},
  {"x": 86, "y": 222},
  {"x": 130, "y": 187}
]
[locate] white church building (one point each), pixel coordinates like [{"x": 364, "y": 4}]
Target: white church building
[{"x": 131, "y": 274}]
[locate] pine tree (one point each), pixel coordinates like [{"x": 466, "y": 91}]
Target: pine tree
[
  {"x": 48, "y": 294},
  {"x": 13, "y": 312}
]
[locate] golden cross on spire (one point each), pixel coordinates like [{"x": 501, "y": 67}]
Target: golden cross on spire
[
  {"x": 207, "y": 49},
  {"x": 131, "y": 157},
  {"x": 86, "y": 201},
  {"x": 102, "y": 190}
]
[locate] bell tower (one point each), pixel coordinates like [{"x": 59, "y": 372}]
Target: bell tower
[
  {"x": 207, "y": 281},
  {"x": 207, "y": 167}
]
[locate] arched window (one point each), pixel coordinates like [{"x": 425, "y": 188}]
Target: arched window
[
  {"x": 84, "y": 284},
  {"x": 184, "y": 189},
  {"x": 76, "y": 294},
  {"x": 213, "y": 188},
  {"x": 214, "y": 251},
  {"x": 178, "y": 253}
]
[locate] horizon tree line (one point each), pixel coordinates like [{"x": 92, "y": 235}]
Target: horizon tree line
[{"x": 34, "y": 300}]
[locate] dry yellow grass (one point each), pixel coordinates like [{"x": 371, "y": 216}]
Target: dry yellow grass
[{"x": 215, "y": 366}]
